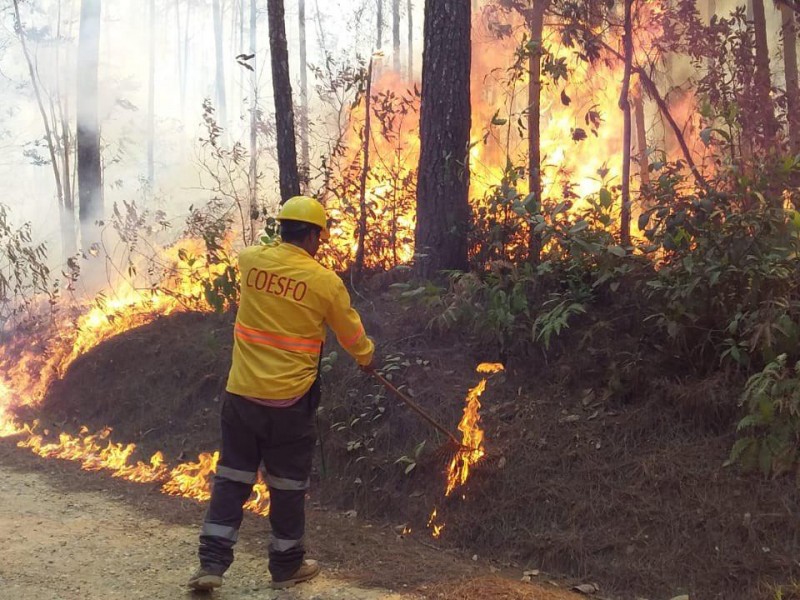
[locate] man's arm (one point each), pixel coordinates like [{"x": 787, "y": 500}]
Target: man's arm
[{"x": 347, "y": 326}]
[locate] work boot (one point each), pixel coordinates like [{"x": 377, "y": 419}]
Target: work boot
[
  {"x": 205, "y": 579},
  {"x": 308, "y": 570}
]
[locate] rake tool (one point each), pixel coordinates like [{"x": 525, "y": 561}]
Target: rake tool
[{"x": 418, "y": 409}]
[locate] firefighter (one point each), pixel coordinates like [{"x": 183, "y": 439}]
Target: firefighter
[{"x": 273, "y": 391}]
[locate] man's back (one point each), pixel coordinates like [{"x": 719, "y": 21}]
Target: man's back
[{"x": 286, "y": 299}]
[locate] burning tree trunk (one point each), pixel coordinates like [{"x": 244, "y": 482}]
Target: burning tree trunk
[
  {"x": 362, "y": 198},
  {"x": 305, "y": 162},
  {"x": 410, "y": 9},
  {"x": 763, "y": 78},
  {"x": 443, "y": 212},
  {"x": 222, "y": 104},
  {"x": 253, "y": 121},
  {"x": 151, "y": 98},
  {"x": 625, "y": 105},
  {"x": 284, "y": 111},
  {"x": 789, "y": 27},
  {"x": 90, "y": 191},
  {"x": 396, "y": 35},
  {"x": 536, "y": 28}
]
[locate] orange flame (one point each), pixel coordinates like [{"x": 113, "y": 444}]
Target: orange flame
[
  {"x": 472, "y": 449},
  {"x": 436, "y": 528}
]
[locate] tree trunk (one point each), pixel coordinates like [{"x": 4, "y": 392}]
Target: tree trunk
[
  {"x": 253, "y": 121},
  {"x": 789, "y": 27},
  {"x": 185, "y": 76},
  {"x": 396, "y": 35},
  {"x": 380, "y": 23},
  {"x": 625, "y": 105},
  {"x": 49, "y": 135},
  {"x": 362, "y": 197},
  {"x": 284, "y": 111},
  {"x": 151, "y": 99},
  {"x": 410, "y": 9},
  {"x": 763, "y": 78},
  {"x": 69, "y": 242},
  {"x": 305, "y": 162},
  {"x": 641, "y": 135},
  {"x": 179, "y": 28},
  {"x": 443, "y": 211},
  {"x": 536, "y": 30},
  {"x": 90, "y": 192},
  {"x": 222, "y": 105}
]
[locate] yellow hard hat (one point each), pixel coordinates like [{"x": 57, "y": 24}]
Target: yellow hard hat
[{"x": 306, "y": 210}]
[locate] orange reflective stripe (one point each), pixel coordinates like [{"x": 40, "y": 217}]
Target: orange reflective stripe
[
  {"x": 347, "y": 342},
  {"x": 282, "y": 342}
]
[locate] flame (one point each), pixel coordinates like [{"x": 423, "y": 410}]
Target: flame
[
  {"x": 580, "y": 136},
  {"x": 95, "y": 452},
  {"x": 436, "y": 529},
  {"x": 472, "y": 449},
  {"x": 33, "y": 360}
]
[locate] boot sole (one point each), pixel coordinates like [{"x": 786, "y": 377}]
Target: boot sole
[
  {"x": 282, "y": 585},
  {"x": 205, "y": 583}
]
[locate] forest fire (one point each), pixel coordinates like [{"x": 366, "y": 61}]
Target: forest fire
[{"x": 580, "y": 139}]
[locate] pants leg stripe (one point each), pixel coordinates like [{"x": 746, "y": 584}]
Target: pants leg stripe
[
  {"x": 220, "y": 531},
  {"x": 282, "y": 483},
  {"x": 279, "y": 545},
  {"x": 236, "y": 475}
]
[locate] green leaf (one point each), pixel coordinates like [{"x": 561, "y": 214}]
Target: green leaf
[
  {"x": 606, "y": 199},
  {"x": 578, "y": 227}
]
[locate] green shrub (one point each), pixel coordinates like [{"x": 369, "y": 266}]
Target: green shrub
[{"x": 772, "y": 424}]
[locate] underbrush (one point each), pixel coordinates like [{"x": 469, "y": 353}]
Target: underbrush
[{"x": 710, "y": 290}]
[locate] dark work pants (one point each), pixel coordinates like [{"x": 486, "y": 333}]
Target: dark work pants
[{"x": 282, "y": 439}]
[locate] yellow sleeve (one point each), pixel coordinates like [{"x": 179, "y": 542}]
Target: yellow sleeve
[{"x": 346, "y": 324}]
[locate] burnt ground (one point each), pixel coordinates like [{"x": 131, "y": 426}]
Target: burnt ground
[{"x": 630, "y": 495}]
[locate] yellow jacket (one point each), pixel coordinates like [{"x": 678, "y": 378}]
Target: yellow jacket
[{"x": 287, "y": 298}]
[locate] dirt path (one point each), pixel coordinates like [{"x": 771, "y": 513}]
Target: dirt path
[
  {"x": 84, "y": 545},
  {"x": 69, "y": 534}
]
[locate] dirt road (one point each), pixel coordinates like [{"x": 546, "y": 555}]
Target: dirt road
[
  {"x": 68, "y": 534},
  {"x": 84, "y": 545}
]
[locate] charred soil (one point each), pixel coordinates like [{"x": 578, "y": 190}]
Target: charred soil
[{"x": 630, "y": 494}]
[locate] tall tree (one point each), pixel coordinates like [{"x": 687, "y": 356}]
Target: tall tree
[
  {"x": 305, "y": 166},
  {"x": 625, "y": 105},
  {"x": 410, "y": 10},
  {"x": 396, "y": 35},
  {"x": 222, "y": 104},
  {"x": 362, "y": 196},
  {"x": 63, "y": 192},
  {"x": 535, "y": 20},
  {"x": 151, "y": 98},
  {"x": 443, "y": 212},
  {"x": 90, "y": 186},
  {"x": 641, "y": 135},
  {"x": 763, "y": 79},
  {"x": 253, "y": 119},
  {"x": 284, "y": 111},
  {"x": 380, "y": 23},
  {"x": 789, "y": 30}
]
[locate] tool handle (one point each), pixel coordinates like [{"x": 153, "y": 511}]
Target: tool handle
[{"x": 415, "y": 407}]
